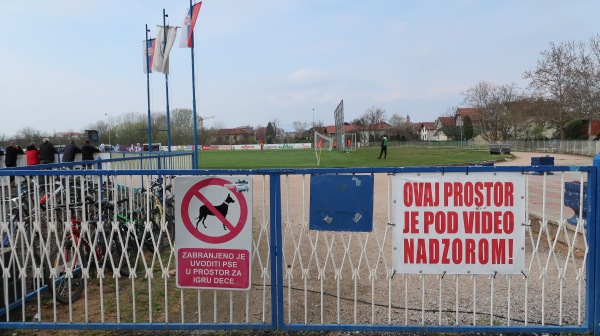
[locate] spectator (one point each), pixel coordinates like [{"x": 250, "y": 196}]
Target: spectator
[
  {"x": 87, "y": 152},
  {"x": 10, "y": 160},
  {"x": 33, "y": 155},
  {"x": 70, "y": 150},
  {"x": 47, "y": 151}
]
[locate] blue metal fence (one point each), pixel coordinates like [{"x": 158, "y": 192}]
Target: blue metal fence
[{"x": 338, "y": 280}]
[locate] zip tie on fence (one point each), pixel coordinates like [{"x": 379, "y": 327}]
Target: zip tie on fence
[
  {"x": 443, "y": 274},
  {"x": 525, "y": 275},
  {"x": 393, "y": 274},
  {"x": 495, "y": 273},
  {"x": 392, "y": 224},
  {"x": 467, "y": 171}
]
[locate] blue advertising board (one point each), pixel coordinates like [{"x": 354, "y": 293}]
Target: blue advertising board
[{"x": 341, "y": 203}]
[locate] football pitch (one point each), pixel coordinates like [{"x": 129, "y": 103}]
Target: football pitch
[{"x": 408, "y": 156}]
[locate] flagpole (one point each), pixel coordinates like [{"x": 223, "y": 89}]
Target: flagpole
[
  {"x": 195, "y": 152},
  {"x": 164, "y": 46},
  {"x": 148, "y": 93}
]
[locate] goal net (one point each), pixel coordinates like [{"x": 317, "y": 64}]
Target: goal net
[
  {"x": 350, "y": 143},
  {"x": 322, "y": 142}
]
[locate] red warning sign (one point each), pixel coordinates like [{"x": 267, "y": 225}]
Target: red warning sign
[
  {"x": 213, "y": 235},
  {"x": 214, "y": 268}
]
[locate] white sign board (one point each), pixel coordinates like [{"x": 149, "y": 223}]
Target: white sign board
[
  {"x": 213, "y": 232},
  {"x": 459, "y": 224}
]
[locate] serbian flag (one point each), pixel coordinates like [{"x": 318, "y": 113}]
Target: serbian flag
[
  {"x": 187, "y": 33},
  {"x": 148, "y": 54}
]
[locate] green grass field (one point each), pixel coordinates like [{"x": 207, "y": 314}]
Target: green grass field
[{"x": 363, "y": 157}]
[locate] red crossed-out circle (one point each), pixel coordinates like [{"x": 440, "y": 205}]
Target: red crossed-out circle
[{"x": 233, "y": 230}]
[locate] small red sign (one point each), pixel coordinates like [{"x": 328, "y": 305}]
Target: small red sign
[{"x": 213, "y": 268}]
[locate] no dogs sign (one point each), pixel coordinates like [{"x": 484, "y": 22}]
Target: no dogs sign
[{"x": 213, "y": 232}]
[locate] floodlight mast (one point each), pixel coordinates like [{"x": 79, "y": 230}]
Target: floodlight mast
[{"x": 202, "y": 122}]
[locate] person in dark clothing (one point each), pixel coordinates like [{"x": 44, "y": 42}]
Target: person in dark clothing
[
  {"x": 384, "y": 144},
  {"x": 10, "y": 159},
  {"x": 87, "y": 152},
  {"x": 47, "y": 151},
  {"x": 70, "y": 150}
]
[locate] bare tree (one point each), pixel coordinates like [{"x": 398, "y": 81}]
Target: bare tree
[
  {"x": 132, "y": 128},
  {"x": 30, "y": 134},
  {"x": 556, "y": 78},
  {"x": 370, "y": 122},
  {"x": 401, "y": 130},
  {"x": 218, "y": 124},
  {"x": 495, "y": 102},
  {"x": 300, "y": 126},
  {"x": 182, "y": 127},
  {"x": 589, "y": 74},
  {"x": 279, "y": 132},
  {"x": 103, "y": 126}
]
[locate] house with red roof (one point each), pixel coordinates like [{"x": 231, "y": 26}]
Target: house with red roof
[
  {"x": 443, "y": 125},
  {"x": 427, "y": 131},
  {"x": 234, "y": 136}
]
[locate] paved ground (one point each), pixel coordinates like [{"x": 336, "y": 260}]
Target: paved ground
[
  {"x": 524, "y": 159},
  {"x": 547, "y": 205}
]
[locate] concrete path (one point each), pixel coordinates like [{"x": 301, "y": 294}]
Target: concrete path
[
  {"x": 548, "y": 205},
  {"x": 524, "y": 159}
]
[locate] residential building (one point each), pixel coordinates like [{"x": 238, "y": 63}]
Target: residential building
[
  {"x": 233, "y": 136},
  {"x": 427, "y": 132}
]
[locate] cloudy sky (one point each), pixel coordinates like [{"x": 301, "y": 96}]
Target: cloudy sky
[{"x": 67, "y": 63}]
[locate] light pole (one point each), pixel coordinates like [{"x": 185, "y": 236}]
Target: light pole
[
  {"x": 109, "y": 130},
  {"x": 202, "y": 124}
]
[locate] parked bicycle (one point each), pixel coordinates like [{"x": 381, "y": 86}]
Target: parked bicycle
[
  {"x": 161, "y": 210},
  {"x": 22, "y": 247},
  {"x": 99, "y": 246}
]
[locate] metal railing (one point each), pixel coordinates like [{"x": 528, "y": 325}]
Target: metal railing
[{"x": 302, "y": 278}]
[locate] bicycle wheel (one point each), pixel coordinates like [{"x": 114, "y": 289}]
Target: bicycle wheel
[
  {"x": 66, "y": 290},
  {"x": 161, "y": 238},
  {"x": 130, "y": 254}
]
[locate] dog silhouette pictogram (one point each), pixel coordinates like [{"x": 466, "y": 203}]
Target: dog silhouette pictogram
[{"x": 222, "y": 209}]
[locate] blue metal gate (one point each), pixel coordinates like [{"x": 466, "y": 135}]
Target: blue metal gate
[{"x": 303, "y": 279}]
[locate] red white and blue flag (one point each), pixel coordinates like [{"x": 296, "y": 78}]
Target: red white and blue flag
[
  {"x": 187, "y": 33},
  {"x": 148, "y": 54}
]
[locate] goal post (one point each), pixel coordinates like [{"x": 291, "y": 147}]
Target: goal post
[
  {"x": 322, "y": 142},
  {"x": 353, "y": 143}
]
